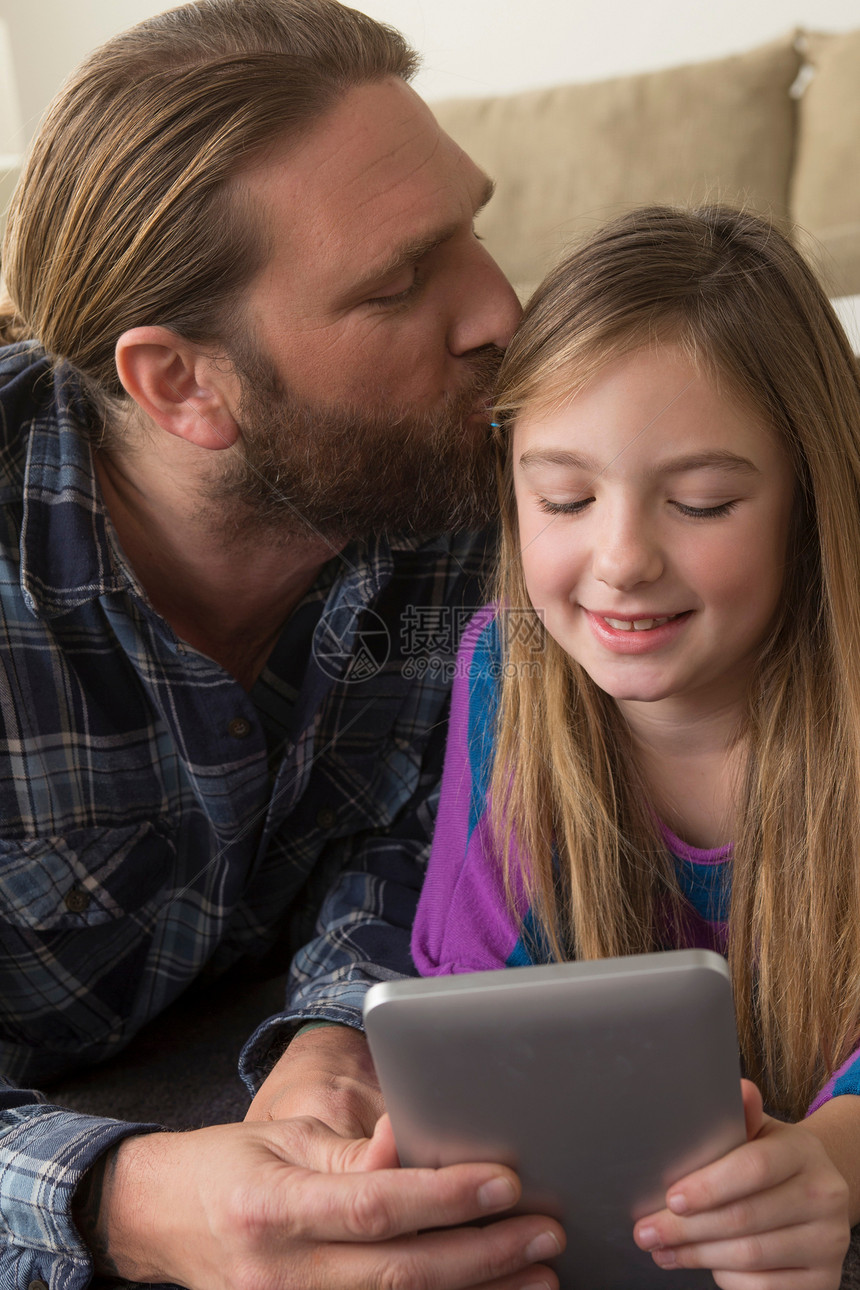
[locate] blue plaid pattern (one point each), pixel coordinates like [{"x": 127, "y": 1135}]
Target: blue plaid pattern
[{"x": 159, "y": 824}]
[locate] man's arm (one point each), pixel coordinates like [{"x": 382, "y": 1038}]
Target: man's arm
[
  {"x": 291, "y": 1204},
  {"x": 244, "y": 1206},
  {"x": 45, "y": 1152},
  {"x": 327, "y": 1072}
]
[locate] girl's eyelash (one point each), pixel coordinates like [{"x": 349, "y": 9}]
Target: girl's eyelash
[
  {"x": 563, "y": 508},
  {"x": 706, "y": 512},
  {"x": 692, "y": 512}
]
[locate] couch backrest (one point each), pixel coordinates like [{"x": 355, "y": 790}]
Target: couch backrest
[
  {"x": 825, "y": 191},
  {"x": 734, "y": 129}
]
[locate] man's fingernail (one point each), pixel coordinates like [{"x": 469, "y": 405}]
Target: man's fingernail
[
  {"x": 537, "y": 1285},
  {"x": 647, "y": 1237},
  {"x": 664, "y": 1258},
  {"x": 498, "y": 1193},
  {"x": 678, "y": 1203},
  {"x": 542, "y": 1247}
]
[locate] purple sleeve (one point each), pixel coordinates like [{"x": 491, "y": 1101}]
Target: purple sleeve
[
  {"x": 463, "y": 923},
  {"x": 844, "y": 1080}
]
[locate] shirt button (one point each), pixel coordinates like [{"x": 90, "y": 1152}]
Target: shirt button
[
  {"x": 326, "y": 817},
  {"x": 76, "y": 901},
  {"x": 239, "y": 728},
  {"x": 38, "y": 1285}
]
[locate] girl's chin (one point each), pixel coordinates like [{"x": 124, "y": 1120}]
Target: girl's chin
[{"x": 629, "y": 689}]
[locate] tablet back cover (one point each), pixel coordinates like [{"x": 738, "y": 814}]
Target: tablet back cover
[{"x": 600, "y": 1083}]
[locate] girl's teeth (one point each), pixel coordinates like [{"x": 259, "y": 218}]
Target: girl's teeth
[{"x": 638, "y": 624}]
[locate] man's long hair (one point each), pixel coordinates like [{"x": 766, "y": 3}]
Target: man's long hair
[
  {"x": 127, "y": 213},
  {"x": 731, "y": 291}
]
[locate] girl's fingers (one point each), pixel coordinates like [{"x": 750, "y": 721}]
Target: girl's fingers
[
  {"x": 783, "y": 1206},
  {"x": 801, "y": 1248},
  {"x": 744, "y": 1190},
  {"x": 777, "y": 1202},
  {"x": 753, "y": 1108},
  {"x": 782, "y": 1279},
  {"x": 777, "y": 1154}
]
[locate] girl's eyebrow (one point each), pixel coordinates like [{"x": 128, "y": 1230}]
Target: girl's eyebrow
[
  {"x": 718, "y": 459},
  {"x": 558, "y": 457}
]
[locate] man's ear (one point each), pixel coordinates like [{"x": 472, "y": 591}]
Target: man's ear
[{"x": 180, "y": 389}]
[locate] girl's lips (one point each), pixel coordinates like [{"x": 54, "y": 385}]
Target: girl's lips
[
  {"x": 635, "y": 622},
  {"x": 625, "y": 635}
]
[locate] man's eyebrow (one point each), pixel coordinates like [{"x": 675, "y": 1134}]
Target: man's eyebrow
[
  {"x": 717, "y": 459},
  {"x": 411, "y": 252},
  {"x": 488, "y": 188}
]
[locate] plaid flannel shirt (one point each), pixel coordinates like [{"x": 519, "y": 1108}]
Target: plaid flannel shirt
[{"x": 157, "y": 823}]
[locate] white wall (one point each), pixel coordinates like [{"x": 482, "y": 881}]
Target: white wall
[
  {"x": 470, "y": 46},
  {"x": 475, "y": 47}
]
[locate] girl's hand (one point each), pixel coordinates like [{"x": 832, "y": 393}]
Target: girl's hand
[{"x": 772, "y": 1213}]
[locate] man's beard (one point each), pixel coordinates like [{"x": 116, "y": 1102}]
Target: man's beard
[{"x": 345, "y": 473}]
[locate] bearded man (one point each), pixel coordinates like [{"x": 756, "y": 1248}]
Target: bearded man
[{"x": 254, "y": 342}]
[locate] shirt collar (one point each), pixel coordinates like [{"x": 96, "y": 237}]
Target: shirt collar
[{"x": 67, "y": 558}]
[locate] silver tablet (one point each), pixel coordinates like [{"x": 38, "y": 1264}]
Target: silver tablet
[{"x": 600, "y": 1083}]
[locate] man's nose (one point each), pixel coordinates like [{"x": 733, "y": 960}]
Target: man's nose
[{"x": 488, "y": 309}]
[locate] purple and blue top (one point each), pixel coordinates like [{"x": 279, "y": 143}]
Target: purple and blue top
[{"x": 464, "y": 921}]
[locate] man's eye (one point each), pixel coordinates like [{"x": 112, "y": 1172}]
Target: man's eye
[{"x": 398, "y": 297}]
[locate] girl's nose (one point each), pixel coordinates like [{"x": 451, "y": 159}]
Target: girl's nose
[{"x": 626, "y": 557}]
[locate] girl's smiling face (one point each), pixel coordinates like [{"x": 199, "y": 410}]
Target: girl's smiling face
[{"x": 654, "y": 516}]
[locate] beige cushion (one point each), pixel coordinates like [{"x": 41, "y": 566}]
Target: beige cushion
[
  {"x": 826, "y": 189},
  {"x": 568, "y": 159}
]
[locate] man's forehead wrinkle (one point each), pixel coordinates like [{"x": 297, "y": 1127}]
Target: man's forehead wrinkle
[
  {"x": 438, "y": 211},
  {"x": 395, "y": 177},
  {"x": 401, "y": 231}
]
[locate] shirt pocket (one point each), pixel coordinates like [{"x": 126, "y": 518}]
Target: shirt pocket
[
  {"x": 85, "y": 878},
  {"x": 79, "y": 916}
]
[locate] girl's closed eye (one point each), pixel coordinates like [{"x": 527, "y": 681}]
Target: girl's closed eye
[
  {"x": 706, "y": 512},
  {"x": 573, "y": 507},
  {"x": 578, "y": 504}
]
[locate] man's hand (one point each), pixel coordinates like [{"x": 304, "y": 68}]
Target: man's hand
[
  {"x": 290, "y": 1205},
  {"x": 326, "y": 1073}
]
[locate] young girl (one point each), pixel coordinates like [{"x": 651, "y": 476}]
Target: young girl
[{"x": 655, "y": 742}]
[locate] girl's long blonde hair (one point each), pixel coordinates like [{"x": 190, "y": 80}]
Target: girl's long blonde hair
[{"x": 733, "y": 293}]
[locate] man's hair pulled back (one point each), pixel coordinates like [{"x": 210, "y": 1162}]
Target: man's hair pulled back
[{"x": 125, "y": 215}]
